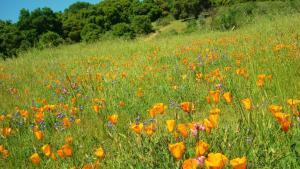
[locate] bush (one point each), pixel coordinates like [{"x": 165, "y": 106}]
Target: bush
[
  {"x": 91, "y": 32},
  {"x": 123, "y": 29},
  {"x": 225, "y": 21},
  {"x": 142, "y": 24},
  {"x": 50, "y": 39}
]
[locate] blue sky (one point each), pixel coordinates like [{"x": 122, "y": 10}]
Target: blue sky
[{"x": 9, "y": 9}]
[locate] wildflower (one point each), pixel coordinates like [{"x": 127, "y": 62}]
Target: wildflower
[
  {"x": 199, "y": 75},
  {"x": 46, "y": 149},
  {"x": 170, "y": 125},
  {"x": 283, "y": 120},
  {"x": 35, "y": 158},
  {"x": 275, "y": 108},
  {"x": 293, "y": 102},
  {"x": 66, "y": 122},
  {"x": 190, "y": 164},
  {"x": 208, "y": 125},
  {"x": 60, "y": 153},
  {"x": 6, "y": 131},
  {"x": 260, "y": 82},
  {"x": 201, "y": 161},
  {"x": 150, "y": 129},
  {"x": 69, "y": 139},
  {"x": 228, "y": 97},
  {"x": 246, "y": 103},
  {"x": 215, "y": 96},
  {"x": 182, "y": 130},
  {"x": 157, "y": 108},
  {"x": 177, "y": 150},
  {"x": 215, "y": 111},
  {"x": 201, "y": 148},
  {"x": 96, "y": 108},
  {"x": 215, "y": 161},
  {"x": 67, "y": 150},
  {"x": 78, "y": 121},
  {"x": 100, "y": 152},
  {"x": 238, "y": 163},
  {"x": 39, "y": 135},
  {"x": 39, "y": 116},
  {"x": 213, "y": 118},
  {"x": 137, "y": 128},
  {"x": 187, "y": 107},
  {"x": 113, "y": 119}
]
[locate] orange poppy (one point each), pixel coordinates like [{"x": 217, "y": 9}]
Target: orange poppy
[
  {"x": 182, "y": 130},
  {"x": 35, "y": 158},
  {"x": 187, "y": 107},
  {"x": 46, "y": 149},
  {"x": 137, "y": 128},
  {"x": 177, "y": 150},
  {"x": 201, "y": 148},
  {"x": 100, "y": 152},
  {"x": 113, "y": 119},
  {"x": 170, "y": 125},
  {"x": 239, "y": 163},
  {"x": 190, "y": 164},
  {"x": 215, "y": 161},
  {"x": 246, "y": 103}
]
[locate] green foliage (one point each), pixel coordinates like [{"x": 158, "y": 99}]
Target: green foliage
[
  {"x": 225, "y": 21},
  {"x": 91, "y": 32},
  {"x": 142, "y": 24},
  {"x": 10, "y": 39},
  {"x": 50, "y": 39},
  {"x": 189, "y": 8},
  {"x": 123, "y": 29}
]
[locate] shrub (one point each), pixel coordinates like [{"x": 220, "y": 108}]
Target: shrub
[
  {"x": 142, "y": 24},
  {"x": 50, "y": 39},
  {"x": 123, "y": 29},
  {"x": 91, "y": 32},
  {"x": 225, "y": 21}
]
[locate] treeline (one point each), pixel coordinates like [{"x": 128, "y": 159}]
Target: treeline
[{"x": 86, "y": 22}]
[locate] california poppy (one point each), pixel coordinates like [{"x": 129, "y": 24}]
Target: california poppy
[
  {"x": 35, "y": 158},
  {"x": 170, "y": 125},
  {"x": 215, "y": 161},
  {"x": 100, "y": 152},
  {"x": 239, "y": 163},
  {"x": 182, "y": 130},
  {"x": 137, "y": 128},
  {"x": 201, "y": 148},
  {"x": 113, "y": 119},
  {"x": 177, "y": 150},
  {"x": 228, "y": 97},
  {"x": 187, "y": 107},
  {"x": 190, "y": 164},
  {"x": 246, "y": 103},
  {"x": 46, "y": 149}
]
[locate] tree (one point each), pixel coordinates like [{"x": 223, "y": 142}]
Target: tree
[
  {"x": 91, "y": 32},
  {"x": 50, "y": 39},
  {"x": 123, "y": 29},
  {"x": 142, "y": 24},
  {"x": 10, "y": 39}
]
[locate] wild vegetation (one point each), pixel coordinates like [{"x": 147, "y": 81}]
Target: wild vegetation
[
  {"x": 84, "y": 22},
  {"x": 183, "y": 97}
]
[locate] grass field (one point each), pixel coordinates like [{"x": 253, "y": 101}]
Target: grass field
[{"x": 64, "y": 98}]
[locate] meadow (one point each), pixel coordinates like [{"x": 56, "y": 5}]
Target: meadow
[{"x": 192, "y": 100}]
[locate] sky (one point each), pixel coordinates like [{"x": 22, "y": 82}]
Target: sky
[{"x": 9, "y": 9}]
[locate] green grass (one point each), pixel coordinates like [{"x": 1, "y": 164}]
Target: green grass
[{"x": 156, "y": 66}]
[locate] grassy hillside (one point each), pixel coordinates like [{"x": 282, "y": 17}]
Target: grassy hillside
[{"x": 71, "y": 91}]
